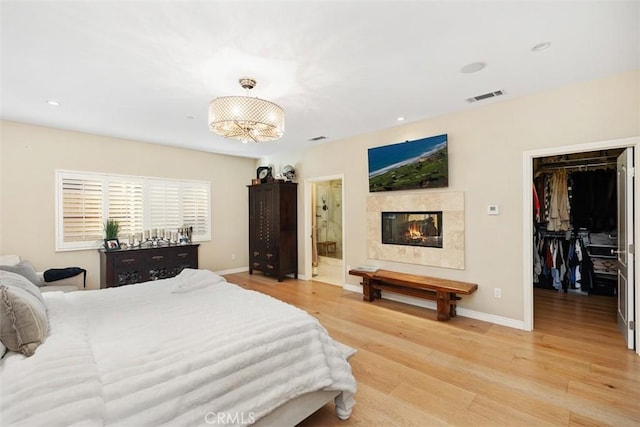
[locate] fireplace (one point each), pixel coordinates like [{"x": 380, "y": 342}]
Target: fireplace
[{"x": 412, "y": 229}]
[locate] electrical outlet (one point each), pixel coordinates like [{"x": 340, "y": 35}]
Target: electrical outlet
[
  {"x": 497, "y": 292},
  {"x": 233, "y": 256}
]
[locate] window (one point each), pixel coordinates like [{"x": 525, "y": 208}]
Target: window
[{"x": 86, "y": 200}]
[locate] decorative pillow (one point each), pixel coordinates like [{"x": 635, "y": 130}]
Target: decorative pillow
[
  {"x": 15, "y": 280},
  {"x": 23, "y": 320},
  {"x": 190, "y": 279},
  {"x": 24, "y": 268}
]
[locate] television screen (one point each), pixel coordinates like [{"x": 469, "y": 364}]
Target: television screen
[{"x": 410, "y": 165}]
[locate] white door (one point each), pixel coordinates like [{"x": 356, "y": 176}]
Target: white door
[{"x": 625, "y": 250}]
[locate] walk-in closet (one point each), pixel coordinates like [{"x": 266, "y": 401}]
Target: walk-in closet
[
  {"x": 575, "y": 216},
  {"x": 575, "y": 207}
]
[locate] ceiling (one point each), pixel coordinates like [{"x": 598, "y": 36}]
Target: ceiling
[{"x": 146, "y": 70}]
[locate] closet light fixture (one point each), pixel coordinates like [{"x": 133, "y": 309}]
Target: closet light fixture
[{"x": 246, "y": 118}]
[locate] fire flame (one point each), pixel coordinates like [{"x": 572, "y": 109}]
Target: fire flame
[{"x": 414, "y": 232}]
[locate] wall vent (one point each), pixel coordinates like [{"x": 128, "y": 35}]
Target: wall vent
[
  {"x": 485, "y": 96},
  {"x": 318, "y": 138}
]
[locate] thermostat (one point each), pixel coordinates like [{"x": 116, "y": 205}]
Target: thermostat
[{"x": 493, "y": 210}]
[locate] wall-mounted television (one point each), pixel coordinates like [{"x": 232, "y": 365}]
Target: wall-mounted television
[{"x": 419, "y": 164}]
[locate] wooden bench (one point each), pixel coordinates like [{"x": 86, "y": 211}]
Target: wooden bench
[{"x": 443, "y": 291}]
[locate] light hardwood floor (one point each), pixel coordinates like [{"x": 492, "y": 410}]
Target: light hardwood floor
[{"x": 412, "y": 370}]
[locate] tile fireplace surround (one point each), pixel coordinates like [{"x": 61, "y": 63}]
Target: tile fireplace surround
[{"x": 451, "y": 255}]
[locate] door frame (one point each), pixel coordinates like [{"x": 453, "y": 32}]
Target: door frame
[
  {"x": 308, "y": 268},
  {"x": 527, "y": 223}
]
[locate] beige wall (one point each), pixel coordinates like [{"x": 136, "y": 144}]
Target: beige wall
[
  {"x": 486, "y": 145},
  {"x": 31, "y": 154}
]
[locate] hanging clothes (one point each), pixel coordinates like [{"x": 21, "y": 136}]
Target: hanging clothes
[
  {"x": 559, "y": 218},
  {"x": 561, "y": 261},
  {"x": 551, "y": 200},
  {"x": 536, "y": 204}
]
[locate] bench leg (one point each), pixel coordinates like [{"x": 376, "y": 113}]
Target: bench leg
[
  {"x": 452, "y": 299},
  {"x": 368, "y": 293},
  {"x": 444, "y": 305}
]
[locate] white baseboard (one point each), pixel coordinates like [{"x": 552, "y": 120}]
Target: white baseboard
[
  {"x": 352, "y": 288},
  {"x": 243, "y": 269},
  {"x": 464, "y": 312},
  {"x": 232, "y": 270}
]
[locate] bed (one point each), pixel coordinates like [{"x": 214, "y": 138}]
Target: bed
[{"x": 190, "y": 350}]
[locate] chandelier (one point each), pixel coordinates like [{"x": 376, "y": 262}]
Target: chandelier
[{"x": 246, "y": 118}]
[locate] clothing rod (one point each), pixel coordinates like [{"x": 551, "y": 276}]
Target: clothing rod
[
  {"x": 580, "y": 166},
  {"x": 556, "y": 161}
]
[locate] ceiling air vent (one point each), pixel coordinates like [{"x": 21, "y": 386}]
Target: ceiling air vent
[
  {"x": 485, "y": 96},
  {"x": 318, "y": 138}
]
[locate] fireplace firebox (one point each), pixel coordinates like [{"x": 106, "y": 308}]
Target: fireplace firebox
[{"x": 412, "y": 229}]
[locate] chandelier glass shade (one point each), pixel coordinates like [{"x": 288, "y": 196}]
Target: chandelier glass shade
[{"x": 246, "y": 118}]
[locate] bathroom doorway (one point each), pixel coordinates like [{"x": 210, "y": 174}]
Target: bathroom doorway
[{"x": 326, "y": 231}]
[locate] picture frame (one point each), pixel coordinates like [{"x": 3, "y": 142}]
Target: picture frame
[{"x": 112, "y": 244}]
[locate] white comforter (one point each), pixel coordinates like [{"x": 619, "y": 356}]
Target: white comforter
[{"x": 145, "y": 355}]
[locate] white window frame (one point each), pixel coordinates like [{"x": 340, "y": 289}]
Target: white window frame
[{"x": 201, "y": 210}]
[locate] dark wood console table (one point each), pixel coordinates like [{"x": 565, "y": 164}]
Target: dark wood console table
[
  {"x": 129, "y": 266},
  {"x": 443, "y": 291}
]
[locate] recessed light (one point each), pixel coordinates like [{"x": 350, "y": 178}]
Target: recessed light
[
  {"x": 540, "y": 46},
  {"x": 400, "y": 118},
  {"x": 53, "y": 103},
  {"x": 474, "y": 67}
]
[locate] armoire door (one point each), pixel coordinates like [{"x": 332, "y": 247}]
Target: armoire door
[
  {"x": 261, "y": 216},
  {"x": 625, "y": 251}
]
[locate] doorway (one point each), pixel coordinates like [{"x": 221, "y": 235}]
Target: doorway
[
  {"x": 326, "y": 243},
  {"x": 580, "y": 156}
]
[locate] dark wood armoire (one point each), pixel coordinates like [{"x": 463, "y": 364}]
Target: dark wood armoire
[{"x": 273, "y": 228}]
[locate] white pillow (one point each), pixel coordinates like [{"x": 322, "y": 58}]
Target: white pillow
[{"x": 190, "y": 279}]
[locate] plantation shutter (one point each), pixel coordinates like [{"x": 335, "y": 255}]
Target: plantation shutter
[
  {"x": 86, "y": 200},
  {"x": 81, "y": 218},
  {"x": 195, "y": 208},
  {"x": 125, "y": 205},
  {"x": 164, "y": 204}
]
